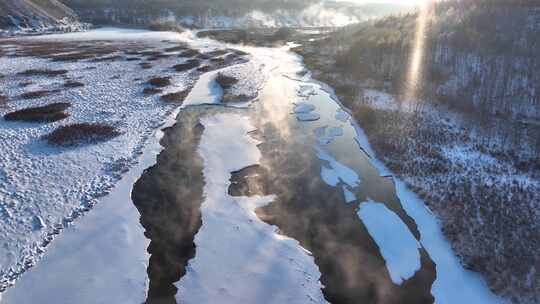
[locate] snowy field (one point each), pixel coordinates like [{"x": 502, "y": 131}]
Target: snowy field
[{"x": 43, "y": 188}]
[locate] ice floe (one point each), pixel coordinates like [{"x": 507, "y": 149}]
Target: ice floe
[
  {"x": 303, "y": 107},
  {"x": 308, "y": 116},
  {"x": 397, "y": 244},
  {"x": 337, "y": 171}
]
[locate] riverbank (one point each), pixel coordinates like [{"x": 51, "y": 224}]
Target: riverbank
[{"x": 482, "y": 191}]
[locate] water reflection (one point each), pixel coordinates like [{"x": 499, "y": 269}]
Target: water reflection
[
  {"x": 315, "y": 213},
  {"x": 169, "y": 196}
]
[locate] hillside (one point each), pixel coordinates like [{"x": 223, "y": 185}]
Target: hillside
[
  {"x": 36, "y": 16},
  {"x": 467, "y": 139},
  {"x": 230, "y": 13}
]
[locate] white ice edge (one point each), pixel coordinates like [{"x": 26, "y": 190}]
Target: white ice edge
[
  {"x": 239, "y": 258},
  {"x": 105, "y": 273}
]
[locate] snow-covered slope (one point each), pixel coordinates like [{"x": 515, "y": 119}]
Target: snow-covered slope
[{"x": 36, "y": 16}]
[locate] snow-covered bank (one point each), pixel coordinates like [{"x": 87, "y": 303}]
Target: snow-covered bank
[
  {"x": 239, "y": 258},
  {"x": 43, "y": 188},
  {"x": 454, "y": 283}
]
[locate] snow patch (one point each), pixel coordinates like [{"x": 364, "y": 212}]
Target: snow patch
[{"x": 308, "y": 116}]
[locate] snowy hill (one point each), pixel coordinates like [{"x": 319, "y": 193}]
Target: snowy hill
[
  {"x": 231, "y": 13},
  {"x": 28, "y": 16}
]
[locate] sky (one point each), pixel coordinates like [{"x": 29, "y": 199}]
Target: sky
[{"x": 409, "y": 2}]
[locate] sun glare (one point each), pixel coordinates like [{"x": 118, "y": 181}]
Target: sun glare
[{"x": 414, "y": 74}]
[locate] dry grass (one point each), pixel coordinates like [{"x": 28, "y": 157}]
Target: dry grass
[
  {"x": 150, "y": 53},
  {"x": 43, "y": 72},
  {"x": 239, "y": 53},
  {"x": 73, "y": 84},
  {"x": 218, "y": 60},
  {"x": 226, "y": 82},
  {"x": 160, "y": 82},
  {"x": 217, "y": 53},
  {"x": 204, "y": 69},
  {"x": 81, "y": 133},
  {"x": 152, "y": 91},
  {"x": 177, "y": 97},
  {"x": 188, "y": 65},
  {"x": 108, "y": 58},
  {"x": 175, "y": 48},
  {"x": 38, "y": 94},
  {"x": 89, "y": 54},
  {"x": 203, "y": 56},
  {"x": 49, "y": 113},
  {"x": 230, "y": 58},
  {"x": 145, "y": 65},
  {"x": 3, "y": 99},
  {"x": 158, "y": 57},
  {"x": 189, "y": 53}
]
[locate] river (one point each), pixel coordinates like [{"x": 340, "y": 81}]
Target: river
[{"x": 279, "y": 200}]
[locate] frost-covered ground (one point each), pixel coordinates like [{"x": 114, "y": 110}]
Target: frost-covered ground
[{"x": 43, "y": 188}]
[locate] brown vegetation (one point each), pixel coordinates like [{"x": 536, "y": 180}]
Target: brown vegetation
[
  {"x": 189, "y": 53},
  {"x": 3, "y": 99},
  {"x": 152, "y": 91},
  {"x": 160, "y": 82},
  {"x": 177, "y": 97},
  {"x": 226, "y": 82},
  {"x": 81, "y": 133},
  {"x": 145, "y": 65},
  {"x": 176, "y": 48},
  {"x": 49, "y": 113},
  {"x": 188, "y": 65},
  {"x": 73, "y": 84},
  {"x": 38, "y": 94},
  {"x": 43, "y": 72}
]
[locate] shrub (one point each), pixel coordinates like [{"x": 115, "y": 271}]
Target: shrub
[
  {"x": 73, "y": 84},
  {"x": 43, "y": 72},
  {"x": 49, "y": 113},
  {"x": 217, "y": 53},
  {"x": 188, "y": 65},
  {"x": 189, "y": 53},
  {"x": 151, "y": 91},
  {"x": 81, "y": 133},
  {"x": 145, "y": 65},
  {"x": 38, "y": 94},
  {"x": 204, "y": 69},
  {"x": 160, "y": 82},
  {"x": 175, "y": 48},
  {"x": 176, "y": 96},
  {"x": 226, "y": 82}
]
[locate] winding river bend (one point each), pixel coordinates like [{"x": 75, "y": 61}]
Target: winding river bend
[
  {"x": 371, "y": 243},
  {"x": 281, "y": 200}
]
